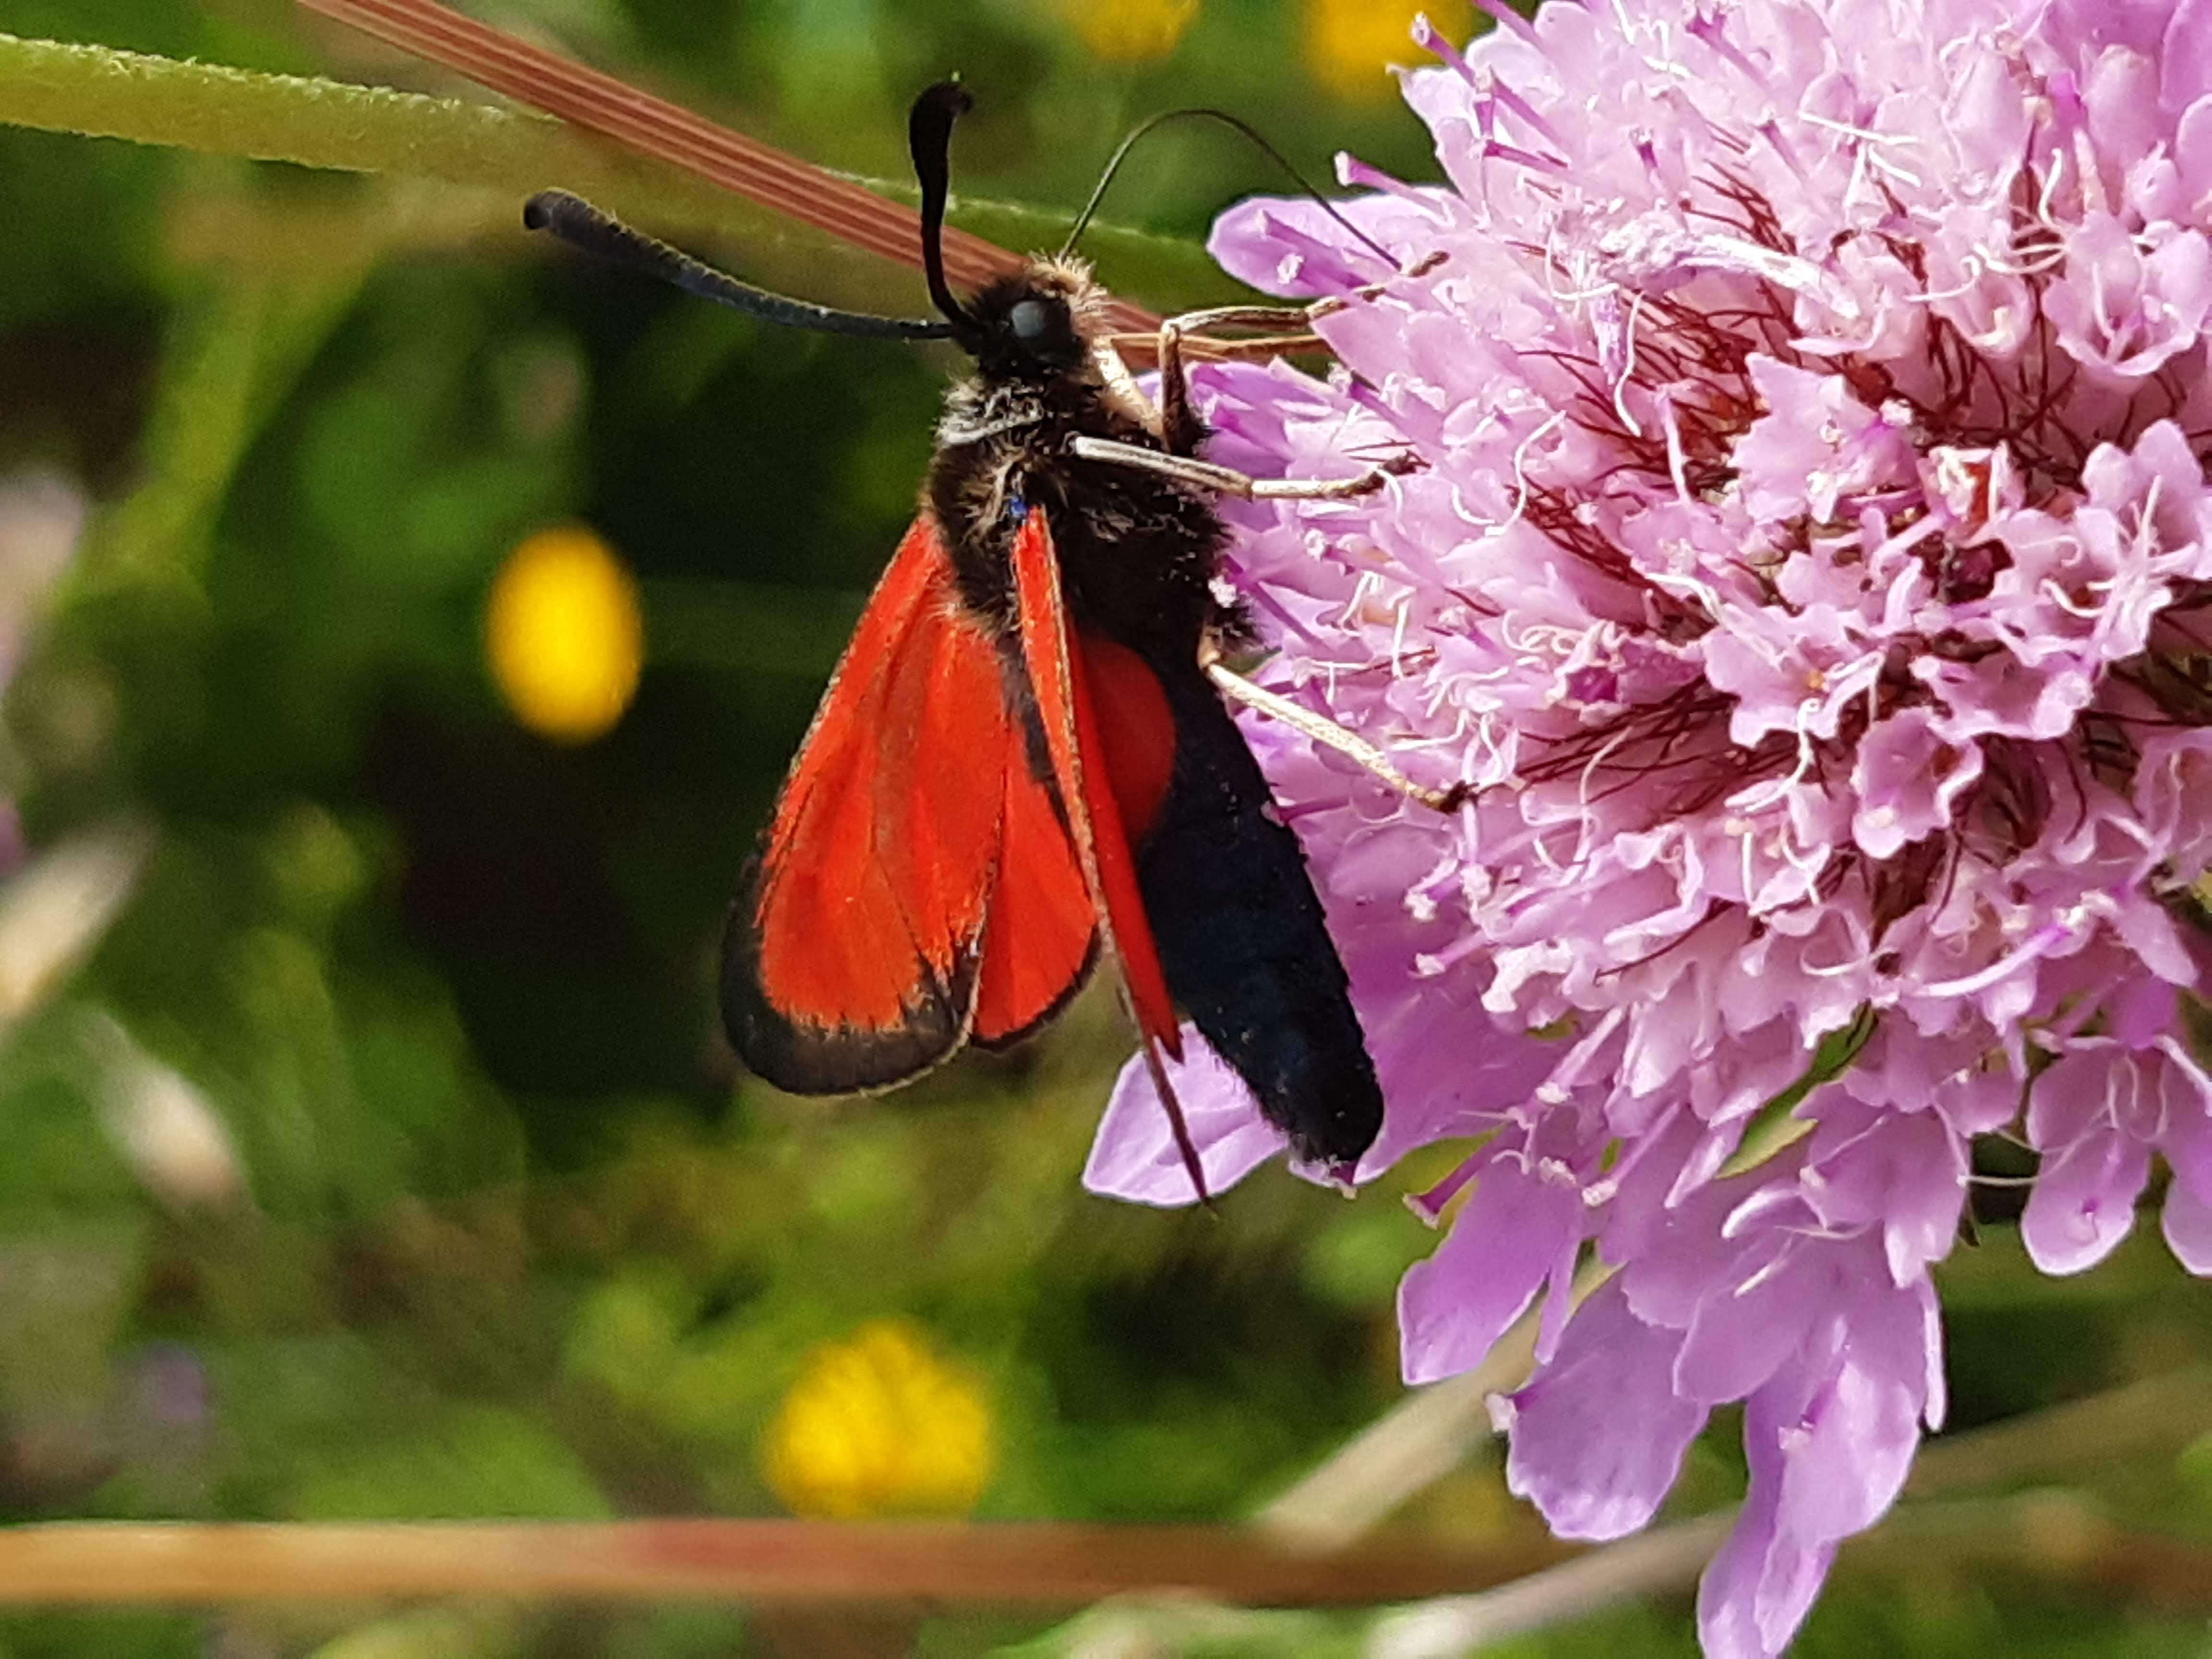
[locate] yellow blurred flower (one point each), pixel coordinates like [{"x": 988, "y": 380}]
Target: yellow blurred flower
[
  {"x": 879, "y": 1424},
  {"x": 1351, "y": 43},
  {"x": 1131, "y": 31},
  {"x": 564, "y": 635}
]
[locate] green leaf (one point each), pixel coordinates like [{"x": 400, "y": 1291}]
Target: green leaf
[{"x": 1775, "y": 1125}]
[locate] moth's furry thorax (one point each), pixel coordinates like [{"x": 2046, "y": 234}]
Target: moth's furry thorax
[{"x": 1136, "y": 550}]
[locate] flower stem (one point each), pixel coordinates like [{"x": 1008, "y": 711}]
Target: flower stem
[
  {"x": 102, "y": 1562},
  {"x": 1411, "y": 1446},
  {"x": 101, "y": 93}
]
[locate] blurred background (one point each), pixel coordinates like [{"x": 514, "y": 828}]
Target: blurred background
[{"x": 407, "y": 625}]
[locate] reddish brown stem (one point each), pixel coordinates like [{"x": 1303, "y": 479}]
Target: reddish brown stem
[{"x": 654, "y": 127}]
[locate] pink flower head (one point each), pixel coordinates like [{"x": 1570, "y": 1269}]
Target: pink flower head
[{"x": 1805, "y": 558}]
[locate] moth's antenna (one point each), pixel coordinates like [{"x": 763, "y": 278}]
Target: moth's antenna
[
  {"x": 1112, "y": 166},
  {"x": 600, "y": 234},
  {"x": 929, "y": 139}
]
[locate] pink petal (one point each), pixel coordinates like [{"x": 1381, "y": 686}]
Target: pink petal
[
  {"x": 1758, "y": 1589},
  {"x": 1906, "y": 1173},
  {"x": 1748, "y": 1325},
  {"x": 1506, "y": 1240},
  {"x": 1848, "y": 1452},
  {"x": 1829, "y": 1441},
  {"x": 2186, "y": 1221},
  {"x": 1598, "y": 1438},
  {"x": 1133, "y": 1156},
  {"x": 2083, "y": 1202}
]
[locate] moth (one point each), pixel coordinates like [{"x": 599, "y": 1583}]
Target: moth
[{"x": 1024, "y": 765}]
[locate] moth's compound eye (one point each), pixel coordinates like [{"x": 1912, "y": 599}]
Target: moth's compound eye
[{"x": 1031, "y": 319}]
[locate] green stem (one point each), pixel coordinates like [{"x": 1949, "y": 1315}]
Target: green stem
[
  {"x": 101, "y": 93},
  {"x": 98, "y": 92},
  {"x": 234, "y": 351}
]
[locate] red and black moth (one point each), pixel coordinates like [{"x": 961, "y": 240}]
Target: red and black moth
[{"x": 1023, "y": 763}]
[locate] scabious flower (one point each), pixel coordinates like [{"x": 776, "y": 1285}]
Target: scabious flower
[{"x": 1810, "y": 562}]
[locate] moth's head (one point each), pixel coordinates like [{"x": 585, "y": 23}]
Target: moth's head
[{"x": 1034, "y": 326}]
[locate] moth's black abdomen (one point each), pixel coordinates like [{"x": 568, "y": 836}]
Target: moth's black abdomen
[{"x": 1243, "y": 939}]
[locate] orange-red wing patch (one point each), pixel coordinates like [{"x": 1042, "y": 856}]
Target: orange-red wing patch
[
  {"x": 1136, "y": 729},
  {"x": 852, "y": 956},
  {"x": 1040, "y": 939},
  {"x": 1055, "y": 658}
]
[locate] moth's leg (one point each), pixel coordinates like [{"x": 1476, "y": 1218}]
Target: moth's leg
[
  {"x": 1192, "y": 333},
  {"x": 1227, "y": 481},
  {"x": 1324, "y": 730},
  {"x": 1284, "y": 329},
  {"x": 1120, "y": 385},
  {"x": 1180, "y": 430},
  {"x": 1212, "y": 348},
  {"x": 1294, "y": 325},
  {"x": 1295, "y": 319}
]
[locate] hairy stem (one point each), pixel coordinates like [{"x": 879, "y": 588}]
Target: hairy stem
[{"x": 101, "y": 93}]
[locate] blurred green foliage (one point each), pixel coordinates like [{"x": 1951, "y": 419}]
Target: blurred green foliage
[{"x": 508, "y": 1236}]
